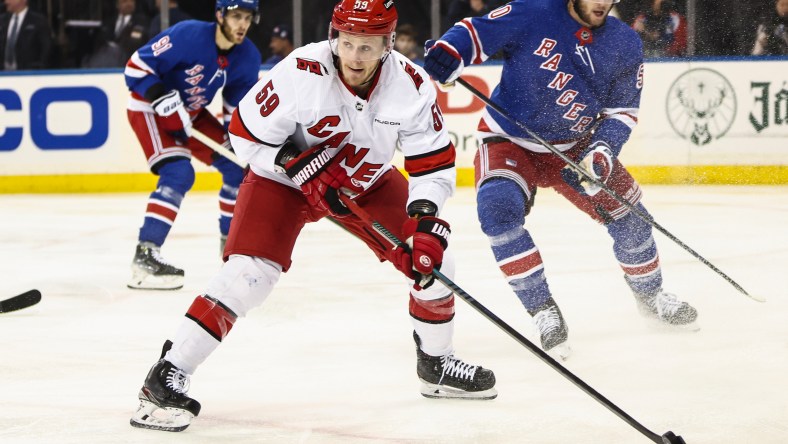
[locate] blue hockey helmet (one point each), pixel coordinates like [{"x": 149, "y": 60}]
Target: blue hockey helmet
[{"x": 251, "y": 5}]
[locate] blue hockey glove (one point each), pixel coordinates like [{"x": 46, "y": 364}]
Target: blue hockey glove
[
  {"x": 597, "y": 160},
  {"x": 441, "y": 61}
]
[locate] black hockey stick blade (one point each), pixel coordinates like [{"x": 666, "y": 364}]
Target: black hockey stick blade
[
  {"x": 18, "y": 302},
  {"x": 671, "y": 438}
]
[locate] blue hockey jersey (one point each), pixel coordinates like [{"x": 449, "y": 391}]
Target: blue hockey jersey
[
  {"x": 185, "y": 57},
  {"x": 559, "y": 78}
]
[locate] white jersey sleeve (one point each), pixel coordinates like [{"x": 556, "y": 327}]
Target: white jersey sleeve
[
  {"x": 264, "y": 119},
  {"x": 425, "y": 143}
]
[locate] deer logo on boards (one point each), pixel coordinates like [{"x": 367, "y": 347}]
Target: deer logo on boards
[{"x": 701, "y": 106}]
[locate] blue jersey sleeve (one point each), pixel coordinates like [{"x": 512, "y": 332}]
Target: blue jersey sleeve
[
  {"x": 620, "y": 113},
  {"x": 478, "y": 38},
  {"x": 150, "y": 63}
]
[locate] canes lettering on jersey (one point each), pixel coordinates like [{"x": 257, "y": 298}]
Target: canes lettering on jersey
[{"x": 315, "y": 108}]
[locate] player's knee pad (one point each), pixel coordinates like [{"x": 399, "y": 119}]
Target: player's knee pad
[
  {"x": 438, "y": 290},
  {"x": 177, "y": 175},
  {"x": 631, "y": 233},
  {"x": 212, "y": 316},
  {"x": 500, "y": 205},
  {"x": 244, "y": 283},
  {"x": 436, "y": 311},
  {"x": 232, "y": 174}
]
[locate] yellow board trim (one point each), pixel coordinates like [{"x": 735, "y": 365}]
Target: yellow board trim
[
  {"x": 97, "y": 183},
  {"x": 145, "y": 182}
]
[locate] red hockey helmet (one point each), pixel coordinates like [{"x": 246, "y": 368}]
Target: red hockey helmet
[{"x": 364, "y": 18}]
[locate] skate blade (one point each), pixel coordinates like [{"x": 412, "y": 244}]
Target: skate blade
[
  {"x": 146, "y": 281},
  {"x": 560, "y": 352},
  {"x": 436, "y": 391},
  {"x": 152, "y": 417},
  {"x": 658, "y": 324}
]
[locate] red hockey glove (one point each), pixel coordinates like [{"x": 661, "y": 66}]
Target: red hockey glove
[
  {"x": 427, "y": 238},
  {"x": 173, "y": 117},
  {"x": 597, "y": 160},
  {"x": 321, "y": 179}
]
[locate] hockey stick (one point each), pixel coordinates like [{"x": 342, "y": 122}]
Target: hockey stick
[
  {"x": 20, "y": 301},
  {"x": 219, "y": 148},
  {"x": 586, "y": 176},
  {"x": 667, "y": 438}
]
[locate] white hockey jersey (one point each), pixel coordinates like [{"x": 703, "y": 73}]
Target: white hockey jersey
[{"x": 303, "y": 99}]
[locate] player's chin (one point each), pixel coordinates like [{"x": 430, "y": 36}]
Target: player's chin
[{"x": 597, "y": 20}]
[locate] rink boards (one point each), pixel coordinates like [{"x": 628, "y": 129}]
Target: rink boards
[{"x": 699, "y": 122}]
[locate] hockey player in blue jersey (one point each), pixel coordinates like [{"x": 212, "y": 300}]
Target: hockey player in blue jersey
[
  {"x": 172, "y": 78},
  {"x": 574, "y": 76}
]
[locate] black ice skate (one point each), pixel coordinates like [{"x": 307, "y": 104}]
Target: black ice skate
[
  {"x": 552, "y": 329},
  {"x": 668, "y": 310},
  {"x": 163, "y": 401},
  {"x": 151, "y": 272},
  {"x": 449, "y": 377},
  {"x": 665, "y": 308}
]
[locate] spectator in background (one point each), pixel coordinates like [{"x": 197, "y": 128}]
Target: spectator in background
[
  {"x": 104, "y": 52},
  {"x": 662, "y": 29},
  {"x": 459, "y": 9},
  {"x": 281, "y": 44},
  {"x": 771, "y": 37},
  {"x": 176, "y": 15},
  {"x": 126, "y": 28},
  {"x": 406, "y": 42},
  {"x": 25, "y": 38}
]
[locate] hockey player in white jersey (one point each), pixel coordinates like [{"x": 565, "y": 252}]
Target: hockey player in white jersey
[{"x": 326, "y": 120}]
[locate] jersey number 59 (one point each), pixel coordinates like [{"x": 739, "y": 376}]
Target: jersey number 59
[
  {"x": 437, "y": 117},
  {"x": 268, "y": 103}
]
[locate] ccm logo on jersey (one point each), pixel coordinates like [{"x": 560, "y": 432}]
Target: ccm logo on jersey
[{"x": 312, "y": 168}]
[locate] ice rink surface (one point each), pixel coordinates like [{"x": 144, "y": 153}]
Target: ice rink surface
[{"x": 329, "y": 357}]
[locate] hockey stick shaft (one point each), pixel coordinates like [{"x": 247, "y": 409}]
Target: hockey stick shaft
[
  {"x": 396, "y": 242},
  {"x": 580, "y": 170},
  {"x": 219, "y": 148}
]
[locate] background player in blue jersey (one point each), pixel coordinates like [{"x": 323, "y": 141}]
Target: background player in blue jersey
[
  {"x": 172, "y": 78},
  {"x": 574, "y": 76}
]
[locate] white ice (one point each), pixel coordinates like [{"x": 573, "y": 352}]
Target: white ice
[{"x": 329, "y": 357}]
